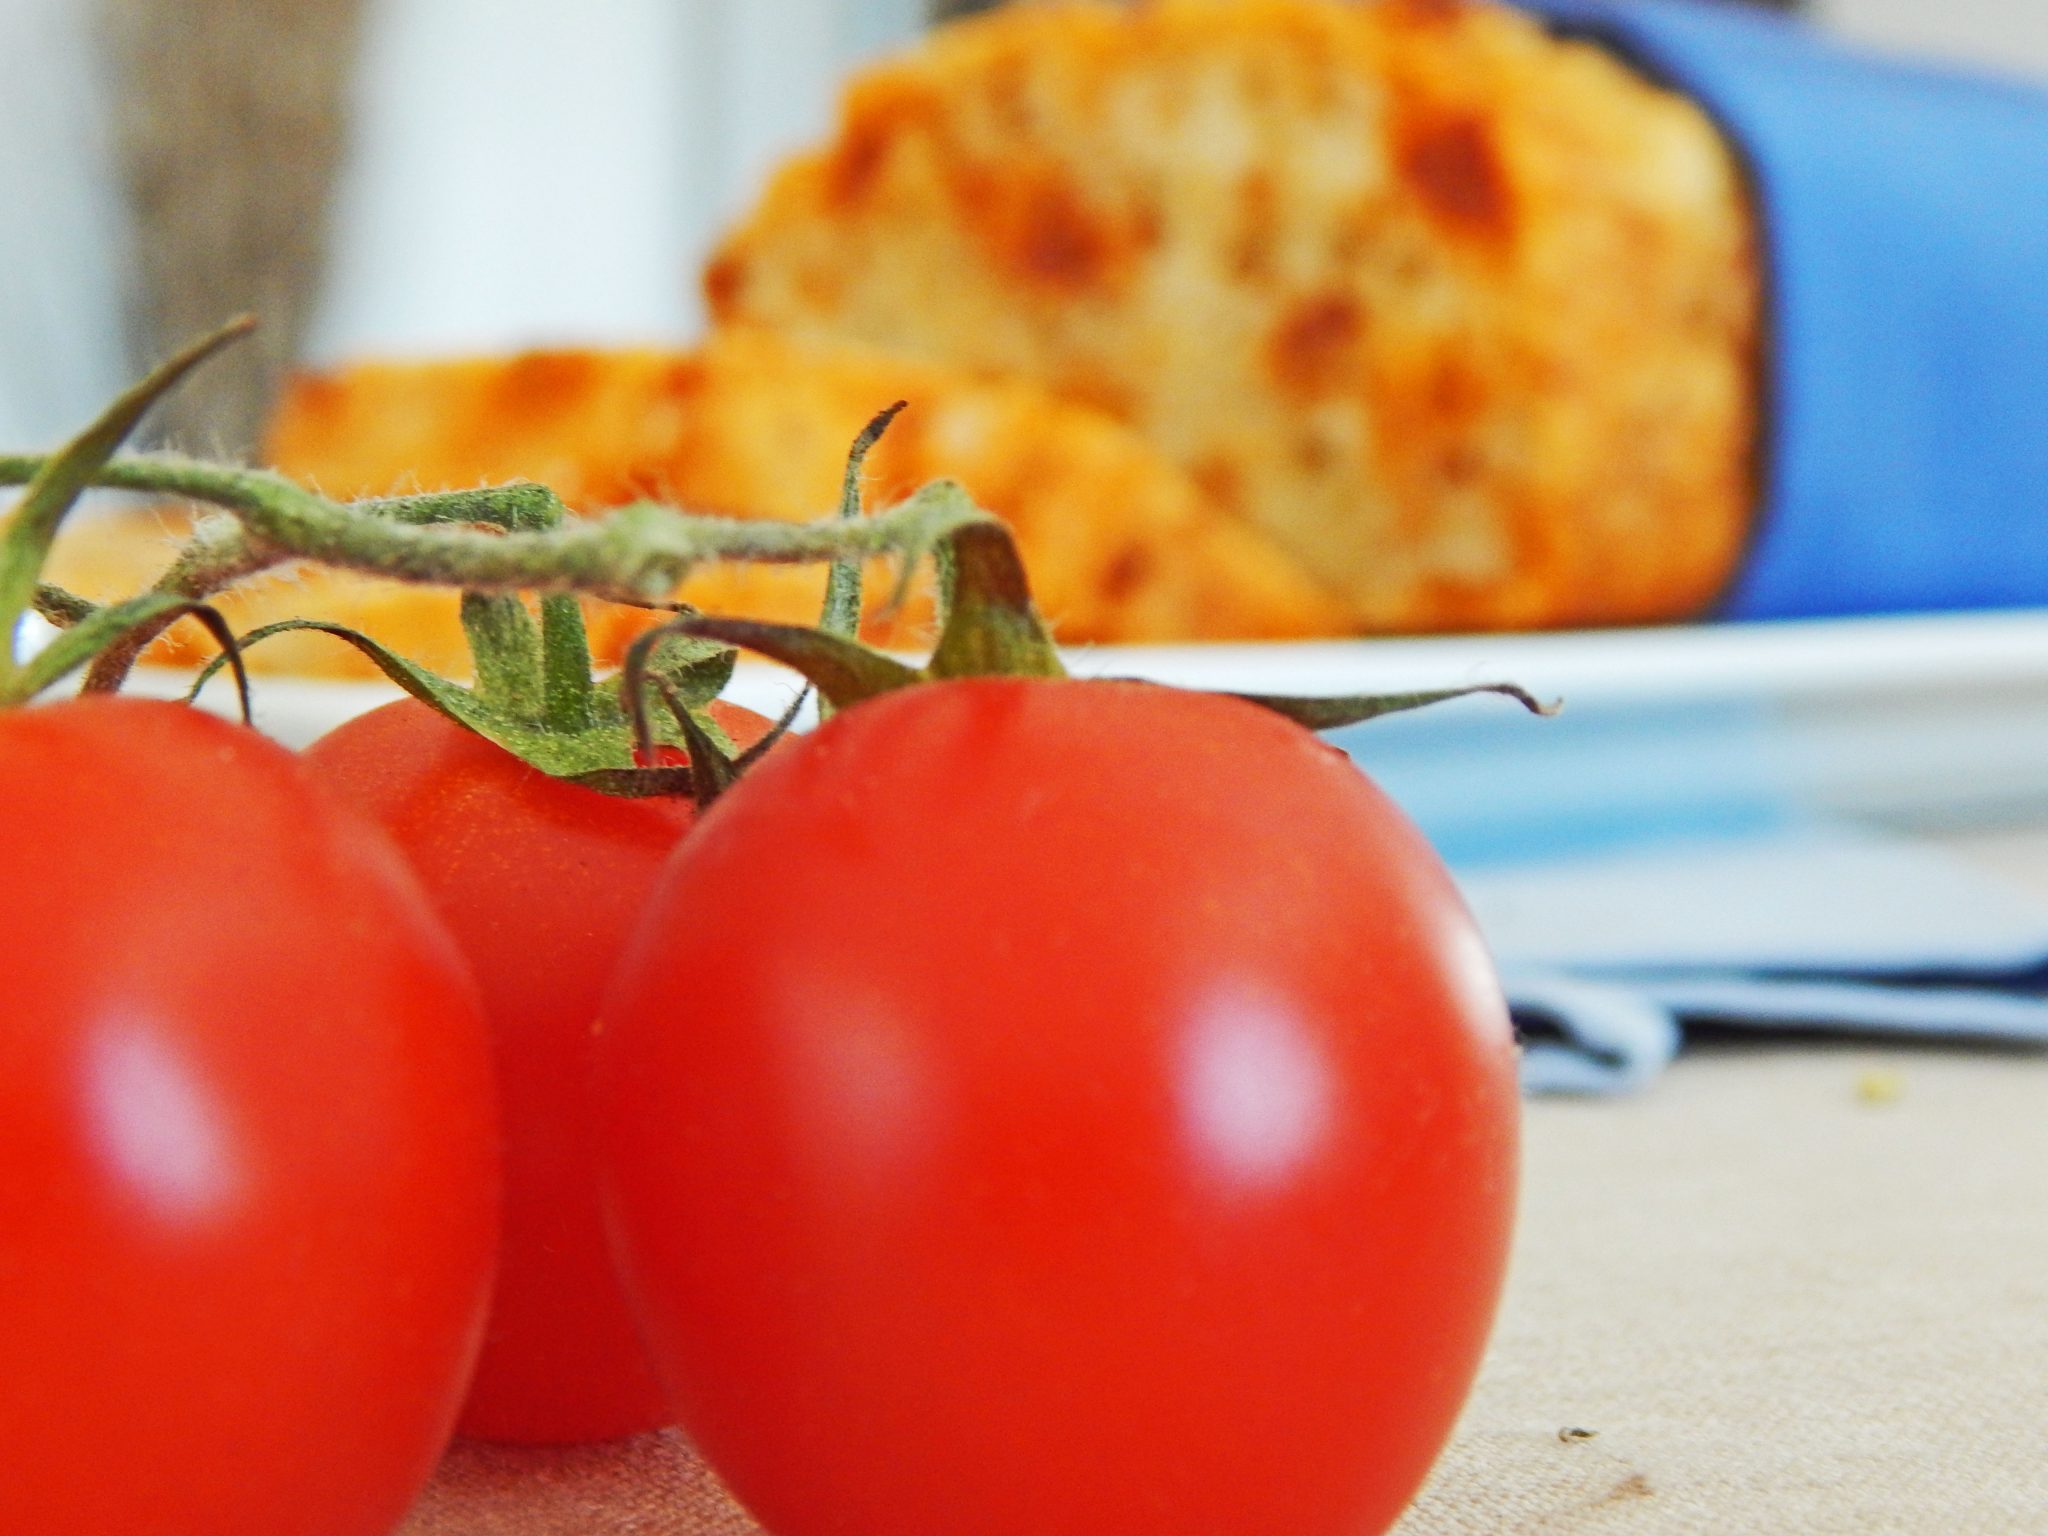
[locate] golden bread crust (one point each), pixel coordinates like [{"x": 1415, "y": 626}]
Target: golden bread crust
[
  {"x": 1463, "y": 315},
  {"x": 1120, "y": 545}
]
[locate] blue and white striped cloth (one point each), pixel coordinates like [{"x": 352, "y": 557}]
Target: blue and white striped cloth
[{"x": 1610, "y": 958}]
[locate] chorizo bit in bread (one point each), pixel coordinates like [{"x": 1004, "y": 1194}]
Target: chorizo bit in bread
[
  {"x": 1460, "y": 313},
  {"x": 1120, "y": 545}
]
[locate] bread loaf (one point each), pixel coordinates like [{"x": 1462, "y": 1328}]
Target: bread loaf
[
  {"x": 1120, "y": 545},
  {"x": 1464, "y": 316}
]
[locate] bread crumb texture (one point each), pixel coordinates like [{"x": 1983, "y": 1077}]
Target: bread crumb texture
[
  {"x": 1121, "y": 545},
  {"x": 1461, "y": 315},
  {"x": 1254, "y": 318}
]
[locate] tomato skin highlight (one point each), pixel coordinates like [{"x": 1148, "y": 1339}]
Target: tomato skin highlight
[
  {"x": 1042, "y": 1108},
  {"x": 540, "y": 882},
  {"x": 248, "y": 1156}
]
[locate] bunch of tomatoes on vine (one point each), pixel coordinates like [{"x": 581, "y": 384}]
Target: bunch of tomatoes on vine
[{"x": 1019, "y": 1106}]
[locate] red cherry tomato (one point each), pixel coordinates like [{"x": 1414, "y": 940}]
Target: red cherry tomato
[
  {"x": 540, "y": 881},
  {"x": 1061, "y": 1107},
  {"x": 248, "y": 1159}
]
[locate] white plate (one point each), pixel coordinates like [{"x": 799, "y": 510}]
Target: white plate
[{"x": 1927, "y": 719}]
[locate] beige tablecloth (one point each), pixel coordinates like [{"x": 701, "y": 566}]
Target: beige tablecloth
[{"x": 1790, "y": 1288}]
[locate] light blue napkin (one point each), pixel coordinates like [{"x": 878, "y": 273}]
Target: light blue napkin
[
  {"x": 1609, "y": 957},
  {"x": 1646, "y": 871}
]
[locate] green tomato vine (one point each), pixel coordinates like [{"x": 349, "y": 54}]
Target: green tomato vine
[{"x": 534, "y": 692}]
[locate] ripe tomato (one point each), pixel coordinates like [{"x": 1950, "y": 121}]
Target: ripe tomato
[
  {"x": 540, "y": 881},
  {"x": 248, "y": 1159},
  {"x": 1051, "y": 1107}
]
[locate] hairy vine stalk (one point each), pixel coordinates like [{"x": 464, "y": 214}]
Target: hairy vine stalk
[{"x": 511, "y": 538}]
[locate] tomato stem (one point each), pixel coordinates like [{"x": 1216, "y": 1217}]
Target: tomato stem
[
  {"x": 991, "y": 625},
  {"x": 784, "y": 724},
  {"x": 1328, "y": 714},
  {"x": 566, "y": 688},
  {"x": 93, "y": 628},
  {"x": 711, "y": 770},
  {"x": 637, "y": 554},
  {"x": 534, "y": 694},
  {"x": 217, "y": 555},
  {"x": 504, "y": 646},
  {"x": 54, "y": 486},
  {"x": 843, "y": 583},
  {"x": 63, "y": 608}
]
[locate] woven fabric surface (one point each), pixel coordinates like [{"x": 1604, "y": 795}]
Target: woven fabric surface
[
  {"x": 652, "y": 1486},
  {"x": 1797, "y": 1289},
  {"x": 1789, "y": 1289}
]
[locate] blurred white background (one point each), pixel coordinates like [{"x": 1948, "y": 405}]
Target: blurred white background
[
  {"x": 521, "y": 172},
  {"x": 561, "y": 186},
  {"x": 527, "y": 171},
  {"x": 2011, "y": 35},
  {"x": 63, "y": 234}
]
